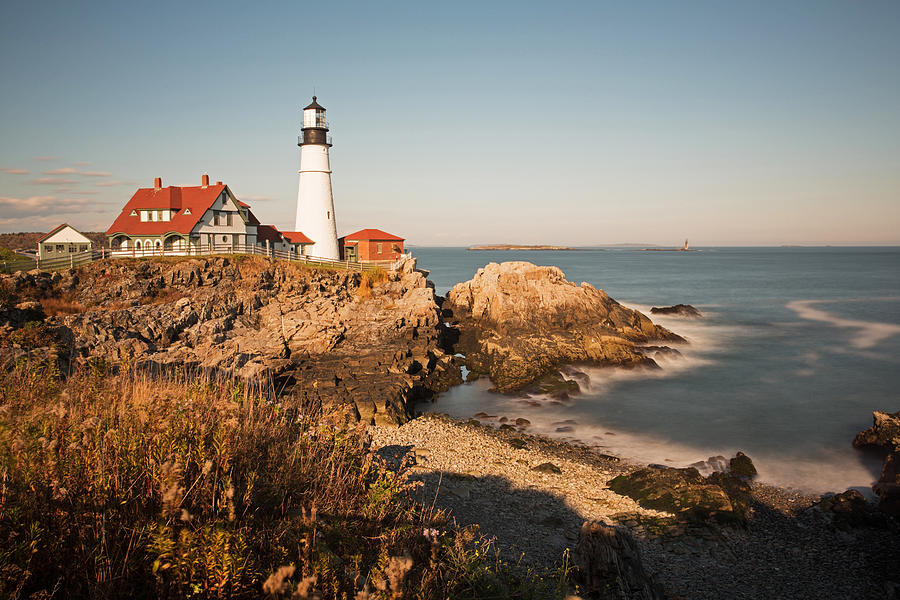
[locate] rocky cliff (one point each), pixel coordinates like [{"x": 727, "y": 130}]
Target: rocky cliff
[
  {"x": 518, "y": 321},
  {"x": 884, "y": 435},
  {"x": 320, "y": 335}
]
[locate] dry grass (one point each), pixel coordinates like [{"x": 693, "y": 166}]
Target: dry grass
[
  {"x": 164, "y": 296},
  {"x": 121, "y": 485},
  {"x": 369, "y": 280},
  {"x": 364, "y": 291},
  {"x": 61, "y": 306}
]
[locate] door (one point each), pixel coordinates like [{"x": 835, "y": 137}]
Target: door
[{"x": 350, "y": 253}]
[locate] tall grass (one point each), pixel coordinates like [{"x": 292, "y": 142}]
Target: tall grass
[
  {"x": 119, "y": 484},
  {"x": 368, "y": 280}
]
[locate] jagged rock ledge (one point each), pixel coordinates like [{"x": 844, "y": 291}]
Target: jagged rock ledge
[
  {"x": 884, "y": 436},
  {"x": 320, "y": 335}
]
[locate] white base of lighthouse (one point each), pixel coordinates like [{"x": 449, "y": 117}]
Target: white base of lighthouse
[{"x": 315, "y": 203}]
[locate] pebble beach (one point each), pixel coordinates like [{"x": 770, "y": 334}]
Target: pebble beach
[{"x": 532, "y": 495}]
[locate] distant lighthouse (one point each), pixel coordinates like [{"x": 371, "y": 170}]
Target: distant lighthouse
[{"x": 315, "y": 203}]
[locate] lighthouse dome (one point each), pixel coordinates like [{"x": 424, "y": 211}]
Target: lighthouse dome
[{"x": 314, "y": 105}]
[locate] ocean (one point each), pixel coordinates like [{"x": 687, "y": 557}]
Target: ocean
[{"x": 797, "y": 346}]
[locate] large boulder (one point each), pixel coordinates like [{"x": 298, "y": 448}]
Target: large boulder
[
  {"x": 722, "y": 497},
  {"x": 848, "y": 509},
  {"x": 518, "y": 321},
  {"x": 884, "y": 435},
  {"x": 679, "y": 310}
]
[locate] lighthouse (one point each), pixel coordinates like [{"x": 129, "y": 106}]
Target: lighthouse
[{"x": 315, "y": 204}]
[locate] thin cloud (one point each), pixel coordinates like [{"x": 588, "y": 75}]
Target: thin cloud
[
  {"x": 111, "y": 183},
  {"x": 87, "y": 193},
  {"x": 255, "y": 199},
  {"x": 14, "y": 171},
  {"x": 44, "y": 206},
  {"x": 44, "y": 158},
  {"x": 51, "y": 181},
  {"x": 74, "y": 171}
]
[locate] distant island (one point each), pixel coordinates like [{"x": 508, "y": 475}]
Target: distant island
[{"x": 518, "y": 247}]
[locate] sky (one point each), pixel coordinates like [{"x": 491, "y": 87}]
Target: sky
[{"x": 455, "y": 123}]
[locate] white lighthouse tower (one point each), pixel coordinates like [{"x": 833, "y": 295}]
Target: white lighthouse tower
[{"x": 315, "y": 204}]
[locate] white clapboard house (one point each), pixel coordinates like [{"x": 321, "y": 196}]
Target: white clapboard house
[{"x": 61, "y": 242}]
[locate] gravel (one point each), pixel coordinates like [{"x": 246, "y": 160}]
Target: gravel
[{"x": 506, "y": 483}]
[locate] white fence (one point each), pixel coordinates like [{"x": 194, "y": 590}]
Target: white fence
[{"x": 83, "y": 258}]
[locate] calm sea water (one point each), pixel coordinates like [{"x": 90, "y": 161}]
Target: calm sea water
[{"x": 797, "y": 347}]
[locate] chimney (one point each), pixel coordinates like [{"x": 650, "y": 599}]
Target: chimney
[
  {"x": 205, "y": 181},
  {"x": 157, "y": 183},
  {"x": 218, "y": 183}
]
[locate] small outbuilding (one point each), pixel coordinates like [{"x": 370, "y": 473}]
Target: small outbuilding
[
  {"x": 298, "y": 241},
  {"x": 294, "y": 242},
  {"x": 62, "y": 241},
  {"x": 371, "y": 246}
]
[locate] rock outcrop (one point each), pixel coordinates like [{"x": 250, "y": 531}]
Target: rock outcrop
[
  {"x": 847, "y": 510},
  {"x": 722, "y": 496},
  {"x": 884, "y": 435},
  {"x": 320, "y": 335},
  {"x": 679, "y": 310},
  {"x": 518, "y": 321},
  {"x": 610, "y": 565}
]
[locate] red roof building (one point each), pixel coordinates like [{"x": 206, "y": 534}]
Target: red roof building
[
  {"x": 371, "y": 246},
  {"x": 296, "y": 237},
  {"x": 203, "y": 218},
  {"x": 284, "y": 241}
]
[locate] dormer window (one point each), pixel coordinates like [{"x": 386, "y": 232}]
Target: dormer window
[
  {"x": 133, "y": 213},
  {"x": 187, "y": 211}
]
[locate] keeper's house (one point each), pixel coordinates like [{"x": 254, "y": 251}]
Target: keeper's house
[
  {"x": 62, "y": 241},
  {"x": 371, "y": 246},
  {"x": 202, "y": 219}
]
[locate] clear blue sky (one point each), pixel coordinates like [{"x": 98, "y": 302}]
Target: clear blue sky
[{"x": 464, "y": 122}]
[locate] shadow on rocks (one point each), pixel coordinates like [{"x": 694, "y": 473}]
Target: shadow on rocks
[{"x": 536, "y": 529}]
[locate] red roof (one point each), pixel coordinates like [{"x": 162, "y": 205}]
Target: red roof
[
  {"x": 296, "y": 237},
  {"x": 267, "y": 233},
  {"x": 373, "y": 234},
  {"x": 198, "y": 199},
  {"x": 251, "y": 218}
]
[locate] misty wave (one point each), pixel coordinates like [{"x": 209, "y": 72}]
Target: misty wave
[
  {"x": 868, "y": 333},
  {"x": 829, "y": 472}
]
